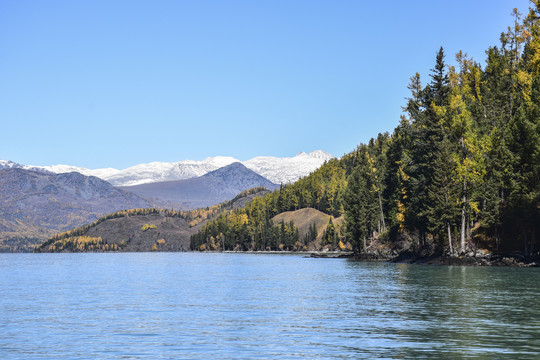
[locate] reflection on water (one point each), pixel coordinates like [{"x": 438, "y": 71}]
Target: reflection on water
[
  {"x": 240, "y": 306},
  {"x": 452, "y": 312}
]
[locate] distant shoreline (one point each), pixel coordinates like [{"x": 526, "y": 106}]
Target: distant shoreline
[
  {"x": 412, "y": 258},
  {"x": 496, "y": 260}
]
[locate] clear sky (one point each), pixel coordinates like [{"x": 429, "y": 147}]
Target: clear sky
[{"x": 117, "y": 83}]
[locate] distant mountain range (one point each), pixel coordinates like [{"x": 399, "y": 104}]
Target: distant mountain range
[
  {"x": 34, "y": 204},
  {"x": 278, "y": 170},
  {"x": 212, "y": 188},
  {"x": 38, "y": 201}
]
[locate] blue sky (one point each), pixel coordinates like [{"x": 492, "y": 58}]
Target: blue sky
[{"x": 117, "y": 83}]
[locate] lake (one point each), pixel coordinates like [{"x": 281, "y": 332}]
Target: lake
[{"x": 261, "y": 306}]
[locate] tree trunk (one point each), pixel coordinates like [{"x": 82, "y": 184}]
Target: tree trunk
[
  {"x": 463, "y": 215},
  {"x": 382, "y": 213},
  {"x": 450, "y": 239},
  {"x": 525, "y": 243},
  {"x": 364, "y": 244},
  {"x": 468, "y": 228},
  {"x": 497, "y": 239},
  {"x": 532, "y": 240}
]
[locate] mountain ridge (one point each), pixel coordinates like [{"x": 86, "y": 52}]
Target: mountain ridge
[
  {"x": 35, "y": 203},
  {"x": 206, "y": 190},
  {"x": 279, "y": 170}
]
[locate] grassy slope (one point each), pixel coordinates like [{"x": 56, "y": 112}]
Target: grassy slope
[{"x": 303, "y": 218}]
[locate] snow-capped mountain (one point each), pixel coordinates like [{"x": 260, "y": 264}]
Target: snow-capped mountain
[
  {"x": 7, "y": 164},
  {"x": 278, "y": 170},
  {"x": 163, "y": 171},
  {"x": 206, "y": 190},
  {"x": 61, "y": 169},
  {"x": 144, "y": 173},
  {"x": 289, "y": 169}
]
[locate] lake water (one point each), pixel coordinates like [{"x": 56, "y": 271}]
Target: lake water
[{"x": 255, "y": 306}]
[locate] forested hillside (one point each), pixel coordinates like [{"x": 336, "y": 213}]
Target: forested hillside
[
  {"x": 461, "y": 169},
  {"x": 145, "y": 229}
]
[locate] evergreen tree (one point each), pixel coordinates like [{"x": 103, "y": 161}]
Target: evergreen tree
[
  {"x": 443, "y": 195},
  {"x": 361, "y": 204}
]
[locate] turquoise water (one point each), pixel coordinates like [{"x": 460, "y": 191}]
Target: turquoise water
[{"x": 251, "y": 306}]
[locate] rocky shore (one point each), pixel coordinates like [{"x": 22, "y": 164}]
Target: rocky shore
[
  {"x": 432, "y": 256},
  {"x": 471, "y": 259},
  {"x": 427, "y": 255}
]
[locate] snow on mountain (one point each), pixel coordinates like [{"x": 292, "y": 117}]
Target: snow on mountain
[
  {"x": 289, "y": 169},
  {"x": 320, "y": 154},
  {"x": 144, "y": 173},
  {"x": 206, "y": 190},
  {"x": 7, "y": 164},
  {"x": 277, "y": 170},
  {"x": 62, "y": 169},
  {"x": 163, "y": 171}
]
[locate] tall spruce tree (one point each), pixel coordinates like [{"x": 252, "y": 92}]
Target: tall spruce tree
[
  {"x": 426, "y": 133},
  {"x": 361, "y": 204}
]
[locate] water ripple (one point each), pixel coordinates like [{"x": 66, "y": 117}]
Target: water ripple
[{"x": 240, "y": 306}]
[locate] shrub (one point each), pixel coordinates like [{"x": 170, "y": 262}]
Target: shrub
[{"x": 147, "y": 227}]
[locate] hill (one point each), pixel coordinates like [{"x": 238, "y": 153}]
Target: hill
[
  {"x": 207, "y": 190},
  {"x": 149, "y": 230},
  {"x": 304, "y": 220},
  {"x": 143, "y": 229},
  {"x": 34, "y": 204}
]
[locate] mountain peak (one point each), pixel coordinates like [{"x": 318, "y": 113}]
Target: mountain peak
[
  {"x": 36, "y": 203},
  {"x": 237, "y": 170},
  {"x": 317, "y": 154},
  {"x": 8, "y": 164},
  {"x": 206, "y": 190},
  {"x": 320, "y": 154}
]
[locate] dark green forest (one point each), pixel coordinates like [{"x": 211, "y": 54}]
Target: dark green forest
[{"x": 462, "y": 168}]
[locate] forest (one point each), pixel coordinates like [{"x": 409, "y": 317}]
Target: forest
[{"x": 461, "y": 170}]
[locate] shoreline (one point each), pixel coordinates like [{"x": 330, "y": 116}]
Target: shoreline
[
  {"x": 313, "y": 254},
  {"x": 497, "y": 260},
  {"x": 406, "y": 257},
  {"x": 478, "y": 259}
]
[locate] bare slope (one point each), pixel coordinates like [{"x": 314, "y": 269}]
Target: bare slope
[{"x": 303, "y": 219}]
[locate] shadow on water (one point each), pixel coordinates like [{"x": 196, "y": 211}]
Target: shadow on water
[{"x": 449, "y": 312}]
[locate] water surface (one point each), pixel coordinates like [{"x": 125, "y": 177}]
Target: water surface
[{"x": 249, "y": 306}]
